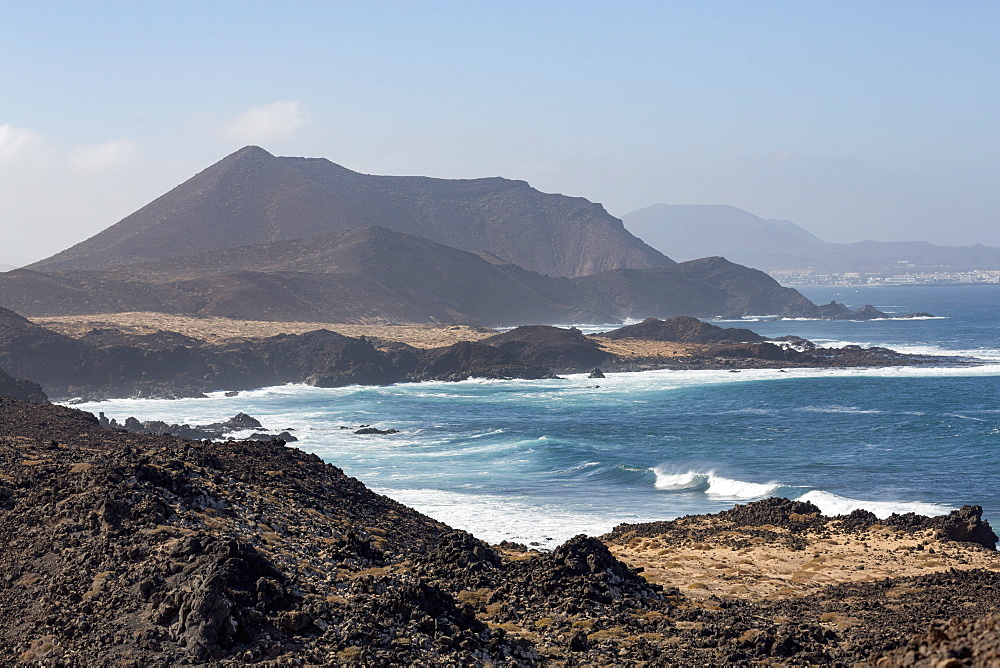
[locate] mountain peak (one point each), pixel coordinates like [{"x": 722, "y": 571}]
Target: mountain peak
[
  {"x": 251, "y": 197},
  {"x": 250, "y": 151}
]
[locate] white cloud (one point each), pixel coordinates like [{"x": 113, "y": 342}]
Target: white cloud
[
  {"x": 100, "y": 157},
  {"x": 266, "y": 122},
  {"x": 14, "y": 140}
]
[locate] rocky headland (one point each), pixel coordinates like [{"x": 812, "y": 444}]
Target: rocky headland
[
  {"x": 138, "y": 550},
  {"x": 119, "y": 361}
]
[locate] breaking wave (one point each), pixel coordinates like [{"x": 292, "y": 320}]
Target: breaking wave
[{"x": 712, "y": 485}]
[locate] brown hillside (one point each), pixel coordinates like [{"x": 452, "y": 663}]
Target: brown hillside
[
  {"x": 252, "y": 197},
  {"x": 376, "y": 275}
]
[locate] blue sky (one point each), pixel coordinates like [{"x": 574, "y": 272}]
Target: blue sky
[{"x": 857, "y": 120}]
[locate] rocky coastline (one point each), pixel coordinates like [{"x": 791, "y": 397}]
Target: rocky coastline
[
  {"x": 140, "y": 550},
  {"x": 105, "y": 363}
]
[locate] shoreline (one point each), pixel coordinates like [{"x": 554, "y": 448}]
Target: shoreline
[
  {"x": 162, "y": 550},
  {"x": 389, "y": 354},
  {"x": 321, "y": 436}
]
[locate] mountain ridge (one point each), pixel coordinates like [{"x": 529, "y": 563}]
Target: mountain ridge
[
  {"x": 698, "y": 230},
  {"x": 252, "y": 197}
]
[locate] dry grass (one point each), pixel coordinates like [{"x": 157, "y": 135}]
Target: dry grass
[
  {"x": 218, "y": 330},
  {"x": 770, "y": 569},
  {"x": 639, "y": 349},
  {"x": 221, "y": 330}
]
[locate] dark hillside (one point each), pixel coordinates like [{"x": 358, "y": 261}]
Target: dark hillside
[
  {"x": 373, "y": 274},
  {"x": 252, "y": 197},
  {"x": 708, "y": 287},
  {"x": 249, "y": 197},
  {"x": 550, "y": 234},
  {"x": 25, "y": 390}
]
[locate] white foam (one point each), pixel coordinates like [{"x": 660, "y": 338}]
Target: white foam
[
  {"x": 679, "y": 481},
  {"x": 965, "y": 417},
  {"x": 495, "y": 518},
  {"x": 840, "y": 409},
  {"x": 832, "y": 504},
  {"x": 714, "y": 486},
  {"x": 727, "y": 488}
]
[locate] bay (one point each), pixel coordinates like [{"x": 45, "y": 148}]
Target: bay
[{"x": 539, "y": 461}]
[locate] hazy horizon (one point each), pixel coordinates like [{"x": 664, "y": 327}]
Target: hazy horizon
[{"x": 855, "y": 121}]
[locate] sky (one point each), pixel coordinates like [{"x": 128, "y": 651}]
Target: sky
[{"x": 857, "y": 120}]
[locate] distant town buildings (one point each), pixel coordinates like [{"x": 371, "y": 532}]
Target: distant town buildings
[{"x": 795, "y": 277}]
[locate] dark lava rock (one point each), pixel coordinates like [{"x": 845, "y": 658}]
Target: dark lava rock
[
  {"x": 225, "y": 598},
  {"x": 25, "y": 390},
  {"x": 283, "y": 436},
  {"x": 683, "y": 329},
  {"x": 757, "y": 351},
  {"x": 239, "y": 422},
  {"x": 564, "y": 350},
  {"x": 474, "y": 359},
  {"x": 796, "y": 343},
  {"x": 214, "y": 431},
  {"x": 837, "y": 311},
  {"x": 776, "y": 511},
  {"x": 143, "y": 550},
  {"x": 327, "y": 359},
  {"x": 952, "y": 644},
  {"x": 463, "y": 561},
  {"x": 367, "y": 431},
  {"x": 580, "y": 574},
  {"x": 132, "y": 549},
  {"x": 405, "y": 620},
  {"x": 965, "y": 525},
  {"x": 597, "y": 373}
]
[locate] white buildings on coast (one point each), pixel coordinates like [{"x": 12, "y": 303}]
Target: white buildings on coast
[{"x": 795, "y": 277}]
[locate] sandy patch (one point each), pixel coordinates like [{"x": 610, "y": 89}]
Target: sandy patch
[
  {"x": 217, "y": 330},
  {"x": 641, "y": 349},
  {"x": 762, "y": 563}
]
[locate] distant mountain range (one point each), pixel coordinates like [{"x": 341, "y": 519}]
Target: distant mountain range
[
  {"x": 293, "y": 239},
  {"x": 253, "y": 197},
  {"x": 692, "y": 231}
]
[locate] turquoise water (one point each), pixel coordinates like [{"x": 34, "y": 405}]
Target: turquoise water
[{"x": 539, "y": 461}]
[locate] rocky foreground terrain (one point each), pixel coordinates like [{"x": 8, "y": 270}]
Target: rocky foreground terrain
[{"x": 141, "y": 550}]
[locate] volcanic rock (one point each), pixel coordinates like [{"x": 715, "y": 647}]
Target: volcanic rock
[
  {"x": 25, "y": 390},
  {"x": 474, "y": 359},
  {"x": 683, "y": 329},
  {"x": 253, "y": 197},
  {"x": 563, "y": 350}
]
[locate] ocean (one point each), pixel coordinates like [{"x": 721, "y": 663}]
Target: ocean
[{"x": 540, "y": 461}]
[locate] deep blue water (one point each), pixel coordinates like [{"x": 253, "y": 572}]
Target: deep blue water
[{"x": 543, "y": 460}]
